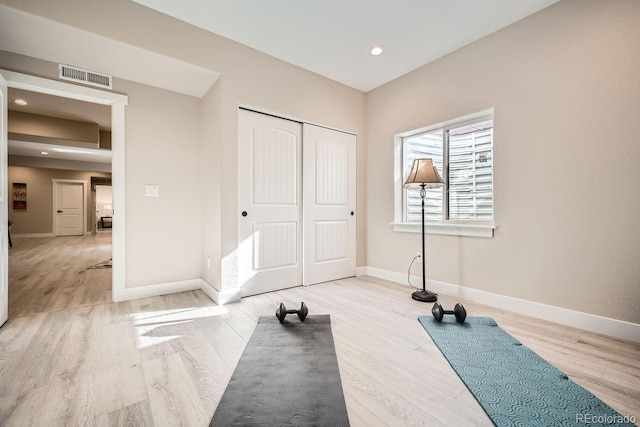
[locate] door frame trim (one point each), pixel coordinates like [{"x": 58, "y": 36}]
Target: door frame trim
[
  {"x": 54, "y": 188},
  {"x": 117, "y": 102}
]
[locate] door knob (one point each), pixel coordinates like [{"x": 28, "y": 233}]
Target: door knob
[
  {"x": 352, "y": 213},
  {"x": 59, "y": 211},
  {"x": 244, "y": 213}
]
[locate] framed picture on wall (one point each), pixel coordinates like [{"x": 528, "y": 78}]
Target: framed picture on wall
[{"x": 19, "y": 196}]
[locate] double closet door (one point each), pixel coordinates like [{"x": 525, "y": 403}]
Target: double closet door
[{"x": 296, "y": 203}]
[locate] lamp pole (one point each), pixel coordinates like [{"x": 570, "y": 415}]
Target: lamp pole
[
  {"x": 423, "y": 174},
  {"x": 424, "y": 295},
  {"x": 423, "y": 193}
]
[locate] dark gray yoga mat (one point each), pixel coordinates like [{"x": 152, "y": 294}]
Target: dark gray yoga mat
[{"x": 287, "y": 376}]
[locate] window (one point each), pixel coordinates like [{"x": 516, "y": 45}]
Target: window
[{"x": 462, "y": 151}]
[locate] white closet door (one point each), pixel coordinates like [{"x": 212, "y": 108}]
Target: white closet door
[
  {"x": 329, "y": 204},
  {"x": 269, "y": 203}
]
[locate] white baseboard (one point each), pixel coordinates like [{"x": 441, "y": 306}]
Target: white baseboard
[
  {"x": 221, "y": 297},
  {"x": 158, "y": 289},
  {"x": 361, "y": 271},
  {"x": 31, "y": 235},
  {"x": 590, "y": 322}
]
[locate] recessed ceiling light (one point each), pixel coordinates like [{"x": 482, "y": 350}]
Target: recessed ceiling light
[
  {"x": 376, "y": 50},
  {"x": 20, "y": 101},
  {"x": 44, "y": 153}
]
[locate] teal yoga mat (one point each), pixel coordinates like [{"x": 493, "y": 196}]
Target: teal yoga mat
[{"x": 514, "y": 385}]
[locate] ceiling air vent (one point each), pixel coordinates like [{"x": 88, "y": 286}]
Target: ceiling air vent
[{"x": 79, "y": 75}]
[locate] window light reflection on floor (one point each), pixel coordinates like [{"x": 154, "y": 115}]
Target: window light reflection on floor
[{"x": 157, "y": 327}]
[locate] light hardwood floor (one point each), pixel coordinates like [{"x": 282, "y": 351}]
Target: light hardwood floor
[
  {"x": 71, "y": 357},
  {"x": 52, "y": 273}
]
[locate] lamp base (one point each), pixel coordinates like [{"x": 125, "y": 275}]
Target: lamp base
[{"x": 424, "y": 296}]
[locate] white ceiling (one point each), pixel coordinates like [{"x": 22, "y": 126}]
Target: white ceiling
[
  {"x": 333, "y": 37},
  {"x": 62, "y": 108},
  {"x": 35, "y": 36}
]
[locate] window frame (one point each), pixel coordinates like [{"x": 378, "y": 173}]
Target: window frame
[{"x": 454, "y": 227}]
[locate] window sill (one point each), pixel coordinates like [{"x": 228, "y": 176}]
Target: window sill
[{"x": 450, "y": 229}]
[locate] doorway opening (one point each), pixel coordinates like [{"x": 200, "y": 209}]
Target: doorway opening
[
  {"x": 102, "y": 202},
  {"x": 58, "y": 257}
]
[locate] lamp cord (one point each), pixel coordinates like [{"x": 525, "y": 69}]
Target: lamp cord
[{"x": 409, "y": 272}]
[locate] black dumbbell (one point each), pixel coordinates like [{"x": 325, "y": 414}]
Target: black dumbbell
[
  {"x": 282, "y": 312},
  {"x": 458, "y": 311}
]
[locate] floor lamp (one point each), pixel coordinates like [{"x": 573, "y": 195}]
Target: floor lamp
[{"x": 423, "y": 175}]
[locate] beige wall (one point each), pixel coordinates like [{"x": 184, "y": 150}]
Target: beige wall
[
  {"x": 211, "y": 125},
  {"x": 566, "y": 91},
  {"x": 33, "y": 127},
  {"x": 38, "y": 217},
  {"x": 188, "y": 145},
  {"x": 161, "y": 135},
  {"x": 163, "y": 234},
  {"x": 566, "y": 96}
]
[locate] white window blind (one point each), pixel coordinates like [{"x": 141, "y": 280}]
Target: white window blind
[
  {"x": 470, "y": 172},
  {"x": 463, "y": 154},
  {"x": 426, "y": 145}
]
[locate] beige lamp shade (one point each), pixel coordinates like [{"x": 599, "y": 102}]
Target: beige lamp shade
[{"x": 424, "y": 172}]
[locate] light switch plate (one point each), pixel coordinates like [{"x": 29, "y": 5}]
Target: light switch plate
[{"x": 151, "y": 190}]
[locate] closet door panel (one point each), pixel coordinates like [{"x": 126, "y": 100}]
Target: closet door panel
[
  {"x": 269, "y": 203},
  {"x": 329, "y": 199}
]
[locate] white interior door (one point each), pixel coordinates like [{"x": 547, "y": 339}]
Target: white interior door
[
  {"x": 329, "y": 204},
  {"x": 4, "y": 234},
  {"x": 69, "y": 205},
  {"x": 269, "y": 203}
]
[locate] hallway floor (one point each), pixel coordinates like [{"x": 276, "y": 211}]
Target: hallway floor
[{"x": 54, "y": 273}]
